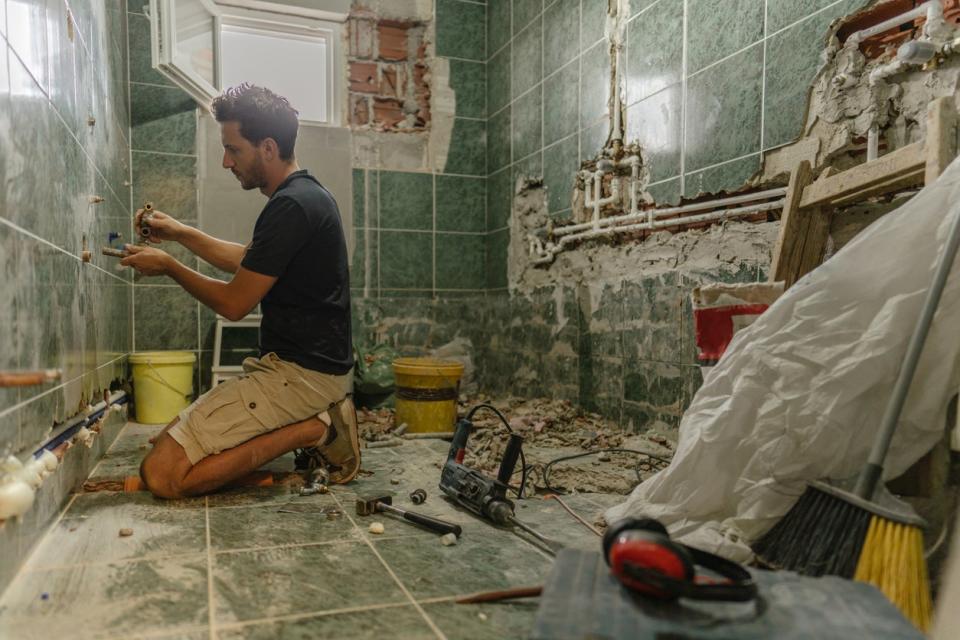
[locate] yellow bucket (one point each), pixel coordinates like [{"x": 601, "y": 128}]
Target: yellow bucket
[
  {"x": 162, "y": 383},
  {"x": 427, "y": 390}
]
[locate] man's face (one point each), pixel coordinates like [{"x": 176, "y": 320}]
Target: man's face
[{"x": 242, "y": 157}]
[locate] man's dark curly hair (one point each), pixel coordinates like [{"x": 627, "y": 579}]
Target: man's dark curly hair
[{"x": 261, "y": 113}]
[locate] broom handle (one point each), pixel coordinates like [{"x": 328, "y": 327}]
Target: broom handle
[{"x": 870, "y": 476}]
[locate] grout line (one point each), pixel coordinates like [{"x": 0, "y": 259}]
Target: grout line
[
  {"x": 720, "y": 164},
  {"x": 433, "y": 626},
  {"x": 763, "y": 72},
  {"x": 116, "y": 561},
  {"x": 683, "y": 103},
  {"x": 211, "y": 617},
  {"x": 292, "y": 617},
  {"x": 165, "y": 153},
  {"x": 133, "y": 291},
  {"x": 433, "y": 231}
]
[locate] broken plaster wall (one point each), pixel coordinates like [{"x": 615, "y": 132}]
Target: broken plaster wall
[{"x": 625, "y": 345}]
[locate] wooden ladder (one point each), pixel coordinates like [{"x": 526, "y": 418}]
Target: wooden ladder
[{"x": 805, "y": 222}]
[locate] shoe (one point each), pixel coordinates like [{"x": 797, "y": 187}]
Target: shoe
[{"x": 342, "y": 452}]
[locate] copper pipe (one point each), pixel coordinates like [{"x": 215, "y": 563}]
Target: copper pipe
[
  {"x": 28, "y": 378},
  {"x": 114, "y": 253},
  {"x": 503, "y": 594},
  {"x": 573, "y": 513}
]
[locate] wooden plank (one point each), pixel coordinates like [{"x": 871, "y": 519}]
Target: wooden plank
[
  {"x": 867, "y": 179},
  {"x": 815, "y": 242},
  {"x": 895, "y": 183},
  {"x": 941, "y": 140},
  {"x": 793, "y": 226}
]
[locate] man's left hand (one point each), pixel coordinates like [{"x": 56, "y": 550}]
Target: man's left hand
[{"x": 148, "y": 261}]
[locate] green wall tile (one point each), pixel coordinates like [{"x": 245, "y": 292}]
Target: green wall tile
[
  {"x": 460, "y": 30},
  {"x": 593, "y": 139},
  {"x": 793, "y": 59},
  {"x": 170, "y": 182},
  {"x": 359, "y": 188},
  {"x": 461, "y": 203},
  {"x": 593, "y": 21},
  {"x": 469, "y": 82},
  {"x": 406, "y": 260},
  {"x": 561, "y": 20},
  {"x": 498, "y": 142},
  {"x": 714, "y": 33},
  {"x": 723, "y": 110},
  {"x": 666, "y": 193},
  {"x": 406, "y": 200},
  {"x": 498, "y": 25},
  {"x": 527, "y": 116},
  {"x": 524, "y": 11},
  {"x": 530, "y": 167},
  {"x": 140, "y": 62},
  {"x": 527, "y": 59},
  {"x": 594, "y": 85},
  {"x": 725, "y": 177},
  {"x": 783, "y": 13},
  {"x": 163, "y": 119},
  {"x": 560, "y": 164},
  {"x": 165, "y": 317},
  {"x": 460, "y": 261},
  {"x": 499, "y": 199},
  {"x": 656, "y": 123},
  {"x": 636, "y": 6},
  {"x": 497, "y": 243},
  {"x": 655, "y": 50},
  {"x": 466, "y": 154},
  {"x": 498, "y": 81},
  {"x": 366, "y": 243},
  {"x": 561, "y": 104}
]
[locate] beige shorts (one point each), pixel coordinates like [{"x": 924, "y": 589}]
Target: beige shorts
[{"x": 270, "y": 394}]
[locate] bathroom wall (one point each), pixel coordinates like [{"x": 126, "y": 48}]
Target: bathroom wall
[{"x": 64, "y": 168}]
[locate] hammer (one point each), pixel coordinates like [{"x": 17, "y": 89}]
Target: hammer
[{"x": 368, "y": 506}]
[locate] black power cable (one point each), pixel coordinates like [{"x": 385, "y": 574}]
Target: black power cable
[
  {"x": 546, "y": 467},
  {"x": 523, "y": 459}
]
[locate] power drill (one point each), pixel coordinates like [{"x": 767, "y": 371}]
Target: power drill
[{"x": 484, "y": 496}]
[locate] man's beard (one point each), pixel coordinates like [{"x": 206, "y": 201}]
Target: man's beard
[{"x": 254, "y": 179}]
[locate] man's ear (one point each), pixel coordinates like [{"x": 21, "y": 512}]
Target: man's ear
[{"x": 270, "y": 149}]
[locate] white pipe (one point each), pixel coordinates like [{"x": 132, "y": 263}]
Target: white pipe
[
  {"x": 886, "y": 70},
  {"x": 720, "y": 214},
  {"x": 859, "y": 36},
  {"x": 873, "y": 142},
  {"x": 659, "y": 213},
  {"x": 617, "y": 124}
]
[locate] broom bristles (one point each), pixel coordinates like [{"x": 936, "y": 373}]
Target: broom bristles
[{"x": 892, "y": 560}]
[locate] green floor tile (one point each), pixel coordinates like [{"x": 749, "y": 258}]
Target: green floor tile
[
  {"x": 108, "y": 600},
  {"x": 128, "y": 450},
  {"x": 400, "y": 623},
  {"x": 311, "y": 519},
  {"x": 501, "y": 620},
  {"x": 274, "y": 582}
]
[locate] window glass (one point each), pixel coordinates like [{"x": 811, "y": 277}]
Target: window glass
[
  {"x": 291, "y": 65},
  {"x": 195, "y": 42}
]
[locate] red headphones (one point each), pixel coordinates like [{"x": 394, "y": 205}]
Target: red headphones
[{"x": 642, "y": 556}]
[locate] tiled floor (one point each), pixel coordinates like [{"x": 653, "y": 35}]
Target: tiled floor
[{"x": 268, "y": 563}]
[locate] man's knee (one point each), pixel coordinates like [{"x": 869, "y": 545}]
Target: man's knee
[{"x": 161, "y": 476}]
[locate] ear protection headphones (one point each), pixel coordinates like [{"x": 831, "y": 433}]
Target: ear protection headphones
[{"x": 642, "y": 556}]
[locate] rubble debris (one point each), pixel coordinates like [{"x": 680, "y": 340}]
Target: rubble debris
[
  {"x": 448, "y": 539},
  {"x": 376, "y": 528},
  {"x": 551, "y": 429},
  {"x": 125, "y": 532}
]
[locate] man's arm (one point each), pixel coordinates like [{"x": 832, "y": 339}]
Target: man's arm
[
  {"x": 220, "y": 253},
  {"x": 233, "y": 300}
]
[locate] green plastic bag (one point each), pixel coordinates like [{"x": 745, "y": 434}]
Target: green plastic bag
[{"x": 373, "y": 380}]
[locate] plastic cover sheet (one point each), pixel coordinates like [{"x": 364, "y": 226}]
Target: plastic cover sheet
[{"x": 799, "y": 394}]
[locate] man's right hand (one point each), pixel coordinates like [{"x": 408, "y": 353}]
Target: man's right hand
[{"x": 162, "y": 227}]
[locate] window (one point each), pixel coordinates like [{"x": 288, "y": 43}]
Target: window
[{"x": 206, "y": 46}]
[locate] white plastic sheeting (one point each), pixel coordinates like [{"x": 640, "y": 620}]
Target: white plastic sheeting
[{"x": 799, "y": 394}]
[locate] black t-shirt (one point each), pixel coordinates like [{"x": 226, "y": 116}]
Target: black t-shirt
[{"x": 299, "y": 239}]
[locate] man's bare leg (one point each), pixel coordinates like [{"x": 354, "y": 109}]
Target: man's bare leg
[
  {"x": 153, "y": 439},
  {"x": 167, "y": 471}
]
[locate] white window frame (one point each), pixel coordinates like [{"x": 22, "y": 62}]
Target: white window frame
[{"x": 300, "y": 23}]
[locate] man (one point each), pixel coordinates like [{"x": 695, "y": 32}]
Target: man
[{"x": 295, "y": 395}]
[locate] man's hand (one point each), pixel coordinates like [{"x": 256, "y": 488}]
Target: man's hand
[
  {"x": 162, "y": 227},
  {"x": 147, "y": 260}
]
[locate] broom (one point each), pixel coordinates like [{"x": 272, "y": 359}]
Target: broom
[{"x": 866, "y": 534}]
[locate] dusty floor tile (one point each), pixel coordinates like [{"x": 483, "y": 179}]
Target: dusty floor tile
[
  {"x": 128, "y": 450},
  {"x": 483, "y": 559},
  {"x": 309, "y": 519},
  {"x": 118, "y": 599},
  {"x": 469, "y": 621},
  {"x": 89, "y": 531},
  {"x": 400, "y": 623},
  {"x": 275, "y": 582}
]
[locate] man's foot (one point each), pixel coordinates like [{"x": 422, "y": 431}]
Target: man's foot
[{"x": 341, "y": 449}]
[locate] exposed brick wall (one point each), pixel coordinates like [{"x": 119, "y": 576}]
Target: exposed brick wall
[{"x": 389, "y": 77}]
